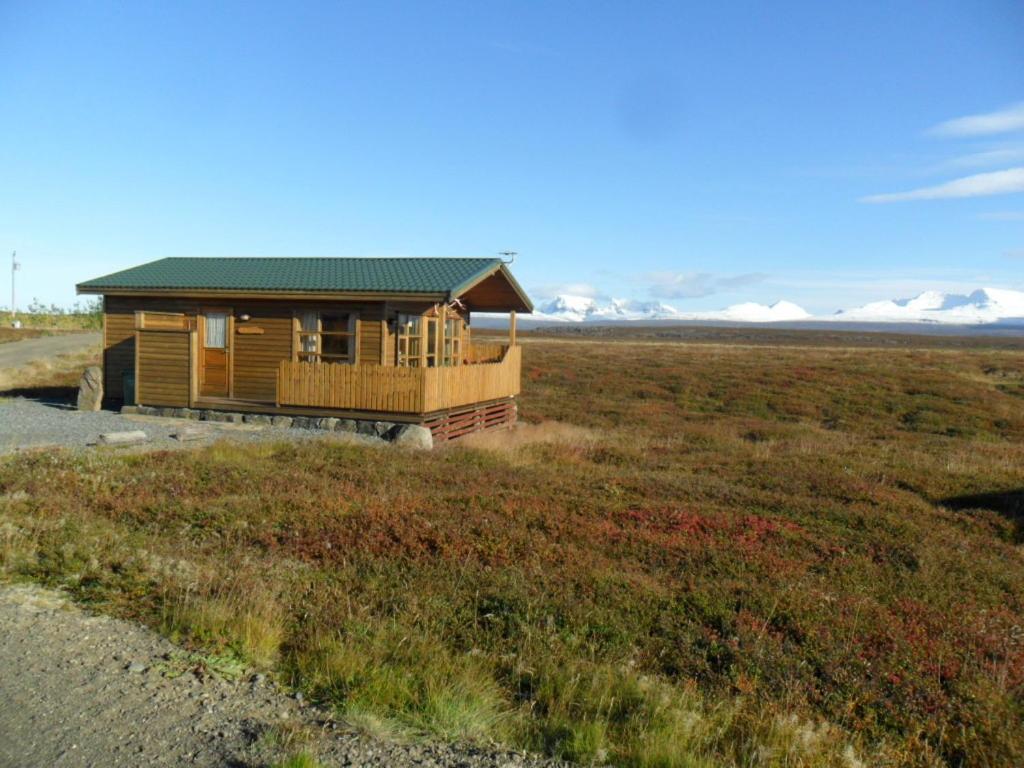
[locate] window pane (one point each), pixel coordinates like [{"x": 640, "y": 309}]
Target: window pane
[
  {"x": 216, "y": 330},
  {"x": 334, "y": 323},
  {"x": 308, "y": 320},
  {"x": 307, "y": 342},
  {"x": 431, "y": 337},
  {"x": 410, "y": 325},
  {"x": 337, "y": 346}
]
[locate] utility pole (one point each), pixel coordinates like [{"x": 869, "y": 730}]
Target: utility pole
[{"x": 14, "y": 268}]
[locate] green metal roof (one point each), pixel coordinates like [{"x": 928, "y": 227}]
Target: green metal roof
[{"x": 314, "y": 275}]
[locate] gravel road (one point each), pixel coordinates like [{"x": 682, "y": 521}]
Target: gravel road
[
  {"x": 83, "y": 690},
  {"x": 15, "y": 354}
]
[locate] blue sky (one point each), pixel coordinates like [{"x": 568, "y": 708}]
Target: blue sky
[{"x": 702, "y": 153}]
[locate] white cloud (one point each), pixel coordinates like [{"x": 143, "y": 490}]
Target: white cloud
[
  {"x": 694, "y": 285},
  {"x": 978, "y": 185},
  {"x": 1002, "y": 121},
  {"x": 989, "y": 157}
]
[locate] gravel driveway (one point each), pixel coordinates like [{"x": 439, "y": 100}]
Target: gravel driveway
[
  {"x": 15, "y": 354},
  {"x": 79, "y": 690},
  {"x": 29, "y": 424}
]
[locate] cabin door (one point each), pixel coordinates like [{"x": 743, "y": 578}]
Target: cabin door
[{"x": 215, "y": 354}]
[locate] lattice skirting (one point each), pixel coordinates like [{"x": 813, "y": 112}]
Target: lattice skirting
[{"x": 473, "y": 418}]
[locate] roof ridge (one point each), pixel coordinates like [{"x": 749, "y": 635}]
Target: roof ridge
[{"x": 338, "y": 258}]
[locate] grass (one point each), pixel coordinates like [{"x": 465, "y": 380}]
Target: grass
[
  {"x": 55, "y": 378},
  {"x": 17, "y": 334},
  {"x": 299, "y": 760},
  {"x": 694, "y": 555}
]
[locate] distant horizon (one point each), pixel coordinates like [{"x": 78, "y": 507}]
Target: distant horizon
[{"x": 701, "y": 156}]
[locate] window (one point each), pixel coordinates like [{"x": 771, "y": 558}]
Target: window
[
  {"x": 431, "y": 355},
  {"x": 216, "y": 330},
  {"x": 452, "y": 341},
  {"x": 325, "y": 336},
  {"x": 410, "y": 340}
]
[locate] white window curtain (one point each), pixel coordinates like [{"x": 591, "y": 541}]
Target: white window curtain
[
  {"x": 309, "y": 321},
  {"x": 216, "y": 331}
]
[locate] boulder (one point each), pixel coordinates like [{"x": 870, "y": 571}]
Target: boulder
[
  {"x": 90, "y": 389},
  {"x": 412, "y": 436},
  {"x": 345, "y": 425},
  {"x": 374, "y": 428},
  {"x": 223, "y": 417},
  {"x": 129, "y": 410},
  {"x": 258, "y": 418},
  {"x": 329, "y": 424},
  {"x": 281, "y": 421}
]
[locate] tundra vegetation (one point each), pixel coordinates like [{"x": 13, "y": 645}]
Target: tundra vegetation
[
  {"x": 87, "y": 315},
  {"x": 690, "y": 555}
]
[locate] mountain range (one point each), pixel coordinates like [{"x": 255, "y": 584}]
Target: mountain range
[{"x": 983, "y": 306}]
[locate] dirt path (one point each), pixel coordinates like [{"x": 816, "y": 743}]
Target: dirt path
[
  {"x": 18, "y": 353},
  {"x": 83, "y": 690}
]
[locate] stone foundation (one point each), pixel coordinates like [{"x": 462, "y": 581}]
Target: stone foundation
[{"x": 384, "y": 430}]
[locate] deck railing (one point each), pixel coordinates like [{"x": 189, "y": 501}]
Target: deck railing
[{"x": 398, "y": 389}]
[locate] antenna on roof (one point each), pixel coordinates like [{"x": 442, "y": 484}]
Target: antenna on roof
[{"x": 510, "y": 256}]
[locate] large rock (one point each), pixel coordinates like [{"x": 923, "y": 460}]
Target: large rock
[
  {"x": 90, "y": 389},
  {"x": 412, "y": 436}
]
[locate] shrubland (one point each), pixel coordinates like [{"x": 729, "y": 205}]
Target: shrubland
[{"x": 689, "y": 555}]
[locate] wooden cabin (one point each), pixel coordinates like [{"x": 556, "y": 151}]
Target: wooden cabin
[{"x": 371, "y": 339}]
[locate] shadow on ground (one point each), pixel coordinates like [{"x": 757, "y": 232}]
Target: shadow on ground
[
  {"x": 1009, "y": 504},
  {"x": 59, "y": 397}
]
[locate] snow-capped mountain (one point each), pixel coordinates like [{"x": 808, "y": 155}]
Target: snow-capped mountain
[
  {"x": 985, "y": 305},
  {"x": 583, "y": 308},
  {"x": 751, "y": 312},
  {"x": 578, "y": 309}
]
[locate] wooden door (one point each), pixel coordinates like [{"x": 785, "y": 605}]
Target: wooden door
[{"x": 215, "y": 353}]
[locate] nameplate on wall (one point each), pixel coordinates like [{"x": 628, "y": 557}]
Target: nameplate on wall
[{"x": 250, "y": 330}]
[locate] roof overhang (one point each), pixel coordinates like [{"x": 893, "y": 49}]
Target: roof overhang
[{"x": 494, "y": 291}]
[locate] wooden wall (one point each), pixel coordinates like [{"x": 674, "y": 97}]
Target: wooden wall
[
  {"x": 163, "y": 374},
  {"x": 259, "y": 344},
  {"x": 118, "y": 345}
]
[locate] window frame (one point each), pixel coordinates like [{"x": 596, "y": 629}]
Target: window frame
[
  {"x": 300, "y": 333},
  {"x": 451, "y": 352},
  {"x": 403, "y": 357}
]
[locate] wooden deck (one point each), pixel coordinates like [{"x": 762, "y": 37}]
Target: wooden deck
[{"x": 401, "y": 390}]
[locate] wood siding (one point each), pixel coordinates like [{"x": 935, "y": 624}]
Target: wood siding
[
  {"x": 118, "y": 344},
  {"x": 159, "y": 339},
  {"x": 163, "y": 367},
  {"x": 257, "y": 355},
  {"x": 258, "y": 344},
  {"x": 397, "y": 389}
]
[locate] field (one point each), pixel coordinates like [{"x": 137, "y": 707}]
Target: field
[{"x": 777, "y": 553}]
